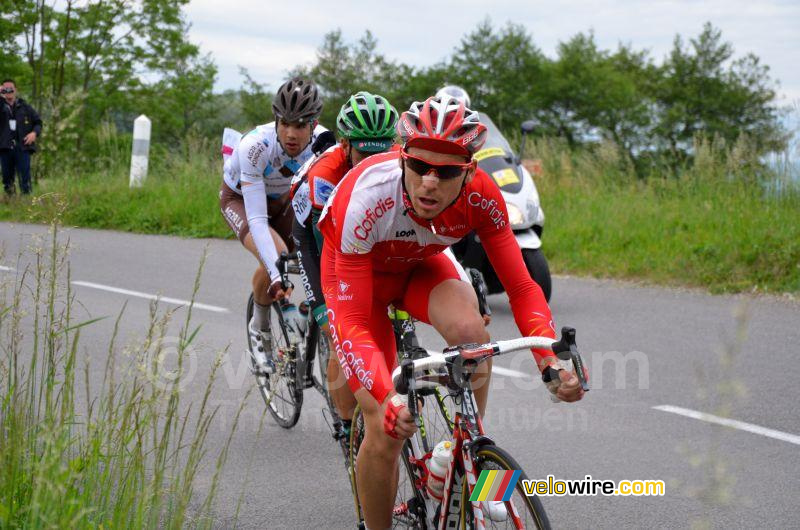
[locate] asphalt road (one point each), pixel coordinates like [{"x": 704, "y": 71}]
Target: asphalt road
[{"x": 646, "y": 347}]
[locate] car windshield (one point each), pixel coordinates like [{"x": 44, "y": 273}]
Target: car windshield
[{"x": 495, "y": 137}]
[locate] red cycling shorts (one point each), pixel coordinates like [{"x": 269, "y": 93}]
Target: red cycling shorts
[{"x": 409, "y": 290}]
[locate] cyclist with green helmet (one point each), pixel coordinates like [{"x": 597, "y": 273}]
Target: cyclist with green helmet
[{"x": 366, "y": 125}]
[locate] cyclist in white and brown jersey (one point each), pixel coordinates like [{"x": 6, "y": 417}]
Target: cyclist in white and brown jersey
[{"x": 254, "y": 197}]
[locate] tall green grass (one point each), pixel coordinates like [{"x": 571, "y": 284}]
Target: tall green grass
[
  {"x": 717, "y": 225},
  {"x": 75, "y": 454}
]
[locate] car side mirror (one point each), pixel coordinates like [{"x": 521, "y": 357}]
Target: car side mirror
[{"x": 528, "y": 126}]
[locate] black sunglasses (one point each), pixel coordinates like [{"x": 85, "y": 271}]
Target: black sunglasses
[
  {"x": 6, "y": 90},
  {"x": 443, "y": 171}
]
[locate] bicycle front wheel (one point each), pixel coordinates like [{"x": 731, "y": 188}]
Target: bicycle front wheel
[
  {"x": 280, "y": 390},
  {"x": 519, "y": 512}
]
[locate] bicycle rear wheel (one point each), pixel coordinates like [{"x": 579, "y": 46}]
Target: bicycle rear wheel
[
  {"x": 280, "y": 390},
  {"x": 520, "y": 512},
  {"x": 358, "y": 430},
  {"x": 409, "y": 504},
  {"x": 436, "y": 425}
]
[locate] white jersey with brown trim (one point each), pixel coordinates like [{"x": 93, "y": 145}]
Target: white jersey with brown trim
[{"x": 260, "y": 155}]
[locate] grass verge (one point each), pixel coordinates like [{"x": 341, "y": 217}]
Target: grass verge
[
  {"x": 77, "y": 454},
  {"x": 714, "y": 227}
]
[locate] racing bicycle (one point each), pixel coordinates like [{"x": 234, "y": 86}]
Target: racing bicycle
[
  {"x": 473, "y": 450},
  {"x": 293, "y": 348}
]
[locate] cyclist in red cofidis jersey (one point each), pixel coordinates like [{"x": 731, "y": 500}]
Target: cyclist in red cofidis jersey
[{"x": 387, "y": 228}]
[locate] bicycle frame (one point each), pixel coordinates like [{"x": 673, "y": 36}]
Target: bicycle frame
[{"x": 468, "y": 433}]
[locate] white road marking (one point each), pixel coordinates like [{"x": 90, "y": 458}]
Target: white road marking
[
  {"x": 727, "y": 422},
  {"x": 215, "y": 309},
  {"x": 506, "y": 371},
  {"x": 6, "y": 269}
]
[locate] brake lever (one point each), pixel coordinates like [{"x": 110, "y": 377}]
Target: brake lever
[
  {"x": 283, "y": 270},
  {"x": 412, "y": 403},
  {"x": 580, "y": 371},
  {"x": 569, "y": 358},
  {"x": 567, "y": 352},
  {"x": 479, "y": 285},
  {"x": 408, "y": 386}
]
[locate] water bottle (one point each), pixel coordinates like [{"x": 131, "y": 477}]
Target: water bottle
[{"x": 437, "y": 468}]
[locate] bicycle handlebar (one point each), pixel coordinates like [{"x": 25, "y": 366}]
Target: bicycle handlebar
[{"x": 404, "y": 376}]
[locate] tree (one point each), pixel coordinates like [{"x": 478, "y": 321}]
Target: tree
[
  {"x": 701, "y": 92},
  {"x": 255, "y": 100},
  {"x": 502, "y": 71},
  {"x": 93, "y": 61},
  {"x": 180, "y": 100},
  {"x": 342, "y": 70}
]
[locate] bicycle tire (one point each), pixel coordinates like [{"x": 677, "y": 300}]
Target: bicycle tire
[
  {"x": 409, "y": 504},
  {"x": 280, "y": 390},
  {"x": 358, "y": 430},
  {"x": 322, "y": 357},
  {"x": 436, "y": 426},
  {"x": 529, "y": 509}
]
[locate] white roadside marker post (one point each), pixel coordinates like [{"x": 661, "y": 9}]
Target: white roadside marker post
[{"x": 140, "y": 151}]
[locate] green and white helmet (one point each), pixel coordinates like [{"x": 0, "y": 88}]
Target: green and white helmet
[{"x": 368, "y": 121}]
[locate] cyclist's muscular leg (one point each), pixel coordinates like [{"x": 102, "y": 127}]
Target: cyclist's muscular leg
[
  {"x": 453, "y": 311},
  {"x": 376, "y": 465},
  {"x": 440, "y": 293}
]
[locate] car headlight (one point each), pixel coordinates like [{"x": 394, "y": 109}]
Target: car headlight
[{"x": 515, "y": 215}]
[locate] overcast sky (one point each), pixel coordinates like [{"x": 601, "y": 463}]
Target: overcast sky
[{"x": 270, "y": 37}]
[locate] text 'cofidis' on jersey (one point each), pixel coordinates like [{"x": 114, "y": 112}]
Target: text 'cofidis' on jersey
[{"x": 371, "y": 216}]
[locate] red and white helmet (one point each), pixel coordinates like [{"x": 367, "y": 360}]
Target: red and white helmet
[{"x": 442, "y": 124}]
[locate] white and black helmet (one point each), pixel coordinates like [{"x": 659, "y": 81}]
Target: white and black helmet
[
  {"x": 455, "y": 92},
  {"x": 297, "y": 100}
]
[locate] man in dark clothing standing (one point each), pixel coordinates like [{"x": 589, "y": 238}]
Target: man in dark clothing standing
[{"x": 20, "y": 126}]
